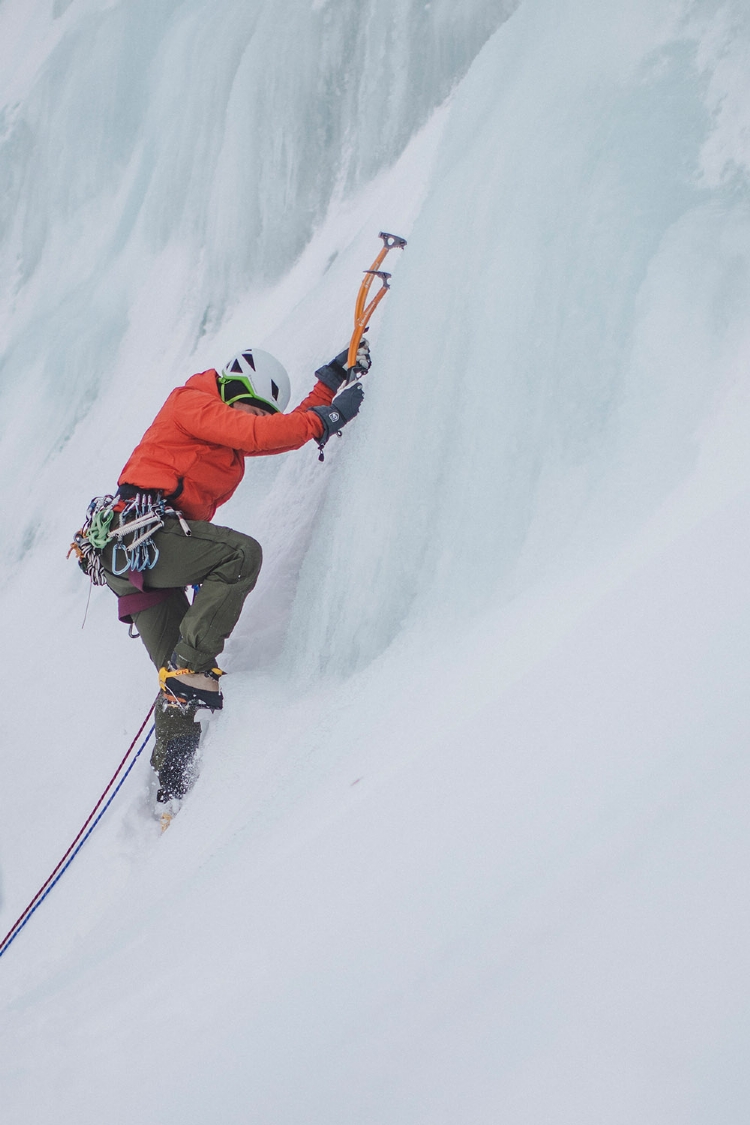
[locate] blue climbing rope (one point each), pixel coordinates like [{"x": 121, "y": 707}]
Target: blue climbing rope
[{"x": 88, "y": 827}]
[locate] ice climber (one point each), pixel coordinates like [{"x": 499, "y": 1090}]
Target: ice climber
[{"x": 153, "y": 538}]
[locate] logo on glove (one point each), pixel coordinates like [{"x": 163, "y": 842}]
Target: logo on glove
[{"x": 334, "y": 416}]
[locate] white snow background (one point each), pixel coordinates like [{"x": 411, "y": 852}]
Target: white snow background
[{"x": 469, "y": 844}]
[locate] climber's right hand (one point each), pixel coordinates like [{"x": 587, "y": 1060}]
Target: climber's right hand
[
  {"x": 334, "y": 373},
  {"x": 363, "y": 362}
]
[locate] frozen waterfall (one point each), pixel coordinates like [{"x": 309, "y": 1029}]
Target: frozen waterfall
[{"x": 470, "y": 842}]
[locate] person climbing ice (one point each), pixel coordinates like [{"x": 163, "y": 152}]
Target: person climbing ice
[{"x": 154, "y": 538}]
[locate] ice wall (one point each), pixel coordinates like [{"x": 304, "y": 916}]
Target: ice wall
[
  {"x": 221, "y": 131},
  {"x": 497, "y": 874},
  {"x": 570, "y": 309}
]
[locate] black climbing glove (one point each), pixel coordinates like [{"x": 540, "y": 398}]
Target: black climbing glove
[
  {"x": 333, "y": 374},
  {"x": 343, "y": 408}
]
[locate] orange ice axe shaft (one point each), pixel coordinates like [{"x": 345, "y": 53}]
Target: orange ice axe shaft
[{"x": 362, "y": 310}]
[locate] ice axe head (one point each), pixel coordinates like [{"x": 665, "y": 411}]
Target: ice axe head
[
  {"x": 384, "y": 277},
  {"x": 392, "y": 241}
]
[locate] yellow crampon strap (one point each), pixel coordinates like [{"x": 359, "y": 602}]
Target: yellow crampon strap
[
  {"x": 164, "y": 672},
  {"x": 362, "y": 310}
]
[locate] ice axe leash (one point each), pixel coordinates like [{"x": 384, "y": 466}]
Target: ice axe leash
[{"x": 362, "y": 309}]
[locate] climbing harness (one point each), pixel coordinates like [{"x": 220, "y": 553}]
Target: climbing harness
[
  {"x": 140, "y": 517},
  {"x": 90, "y": 824},
  {"x": 362, "y": 310},
  {"x": 91, "y": 538}
]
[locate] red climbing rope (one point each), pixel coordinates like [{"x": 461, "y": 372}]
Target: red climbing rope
[{"x": 47, "y": 885}]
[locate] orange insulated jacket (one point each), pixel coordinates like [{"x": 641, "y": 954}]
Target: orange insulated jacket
[{"x": 195, "y": 449}]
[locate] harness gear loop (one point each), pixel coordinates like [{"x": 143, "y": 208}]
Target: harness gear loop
[{"x": 141, "y": 515}]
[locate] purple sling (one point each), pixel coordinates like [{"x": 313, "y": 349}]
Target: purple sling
[{"x": 128, "y": 604}]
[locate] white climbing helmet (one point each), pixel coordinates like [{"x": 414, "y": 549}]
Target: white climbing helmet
[{"x": 255, "y": 377}]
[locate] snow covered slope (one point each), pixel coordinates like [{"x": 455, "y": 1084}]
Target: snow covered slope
[{"x": 470, "y": 841}]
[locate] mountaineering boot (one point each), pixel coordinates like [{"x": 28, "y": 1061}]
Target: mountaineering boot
[
  {"x": 183, "y": 685},
  {"x": 176, "y": 745},
  {"x": 177, "y": 772}
]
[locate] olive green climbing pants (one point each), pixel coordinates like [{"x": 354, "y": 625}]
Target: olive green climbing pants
[{"x": 224, "y": 562}]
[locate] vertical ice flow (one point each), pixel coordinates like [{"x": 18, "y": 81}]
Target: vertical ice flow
[
  {"x": 221, "y": 133},
  {"x": 474, "y": 849},
  {"x": 571, "y": 306}
]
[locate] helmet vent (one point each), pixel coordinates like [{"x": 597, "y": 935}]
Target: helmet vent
[
  {"x": 236, "y": 367},
  {"x": 274, "y": 391},
  {"x": 249, "y": 357}
]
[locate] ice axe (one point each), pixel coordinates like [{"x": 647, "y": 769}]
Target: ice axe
[{"x": 362, "y": 310}]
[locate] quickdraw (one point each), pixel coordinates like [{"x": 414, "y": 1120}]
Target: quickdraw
[{"x": 140, "y": 517}]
